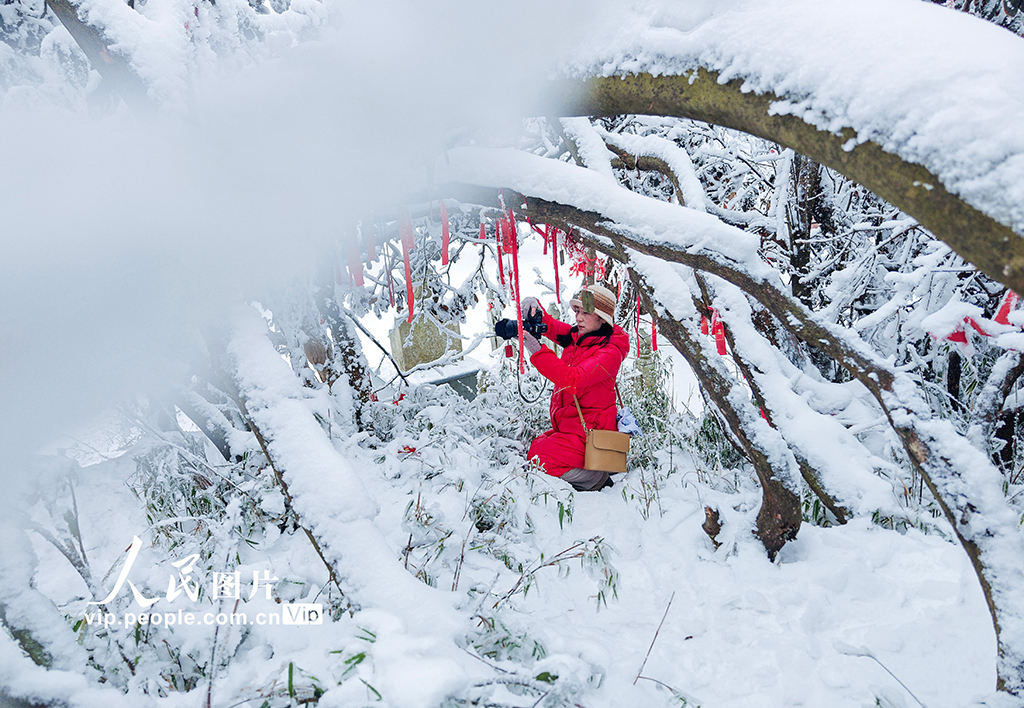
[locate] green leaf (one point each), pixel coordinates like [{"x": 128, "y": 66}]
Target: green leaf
[
  {"x": 375, "y": 691},
  {"x": 546, "y": 677}
]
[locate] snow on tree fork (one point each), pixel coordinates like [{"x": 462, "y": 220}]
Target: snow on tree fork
[{"x": 332, "y": 502}]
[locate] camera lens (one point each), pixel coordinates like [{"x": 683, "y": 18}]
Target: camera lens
[{"x": 506, "y": 329}]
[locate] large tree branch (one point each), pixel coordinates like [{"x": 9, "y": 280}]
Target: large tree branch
[
  {"x": 112, "y": 66},
  {"x": 993, "y": 247},
  {"x": 780, "y": 516},
  {"x": 752, "y": 375}
]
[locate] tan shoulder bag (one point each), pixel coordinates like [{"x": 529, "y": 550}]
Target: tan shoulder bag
[{"x": 606, "y": 449}]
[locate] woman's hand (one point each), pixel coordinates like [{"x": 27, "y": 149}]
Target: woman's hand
[
  {"x": 530, "y": 343},
  {"x": 528, "y": 304}
]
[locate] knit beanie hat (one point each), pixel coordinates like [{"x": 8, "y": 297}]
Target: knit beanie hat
[{"x": 598, "y": 300}]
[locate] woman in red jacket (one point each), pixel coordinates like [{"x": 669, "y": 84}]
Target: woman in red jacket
[{"x": 593, "y": 352}]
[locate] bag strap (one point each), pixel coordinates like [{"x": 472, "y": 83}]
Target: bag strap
[
  {"x": 618, "y": 396},
  {"x": 580, "y": 411}
]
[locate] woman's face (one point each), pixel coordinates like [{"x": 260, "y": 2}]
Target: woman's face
[{"x": 586, "y": 322}]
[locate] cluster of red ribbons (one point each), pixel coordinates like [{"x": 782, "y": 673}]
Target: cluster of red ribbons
[
  {"x": 715, "y": 328},
  {"x": 408, "y": 237},
  {"x": 405, "y": 228},
  {"x": 355, "y": 261},
  {"x": 959, "y": 335},
  {"x": 507, "y": 236}
]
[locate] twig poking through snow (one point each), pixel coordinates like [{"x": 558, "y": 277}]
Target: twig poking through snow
[
  {"x": 651, "y": 648},
  {"x": 844, "y": 648}
]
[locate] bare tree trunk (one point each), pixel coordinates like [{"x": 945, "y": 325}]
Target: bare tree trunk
[
  {"x": 780, "y": 516},
  {"x": 807, "y": 471},
  {"x": 111, "y": 65},
  {"x": 347, "y": 355},
  {"x": 217, "y": 350}
]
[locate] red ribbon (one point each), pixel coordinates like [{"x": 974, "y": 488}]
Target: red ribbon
[
  {"x": 405, "y": 227},
  {"x": 959, "y": 336},
  {"x": 718, "y": 330},
  {"x": 483, "y": 232},
  {"x": 654, "y": 336},
  {"x": 554, "y": 258},
  {"x": 501, "y": 265},
  {"x": 371, "y": 246},
  {"x": 1006, "y": 307},
  {"x": 511, "y": 229},
  {"x": 355, "y": 266},
  {"x": 445, "y": 234},
  {"x": 638, "y": 325}
]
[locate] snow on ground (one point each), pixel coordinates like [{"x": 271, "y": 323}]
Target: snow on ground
[{"x": 741, "y": 631}]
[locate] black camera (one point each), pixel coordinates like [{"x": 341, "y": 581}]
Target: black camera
[{"x": 534, "y": 324}]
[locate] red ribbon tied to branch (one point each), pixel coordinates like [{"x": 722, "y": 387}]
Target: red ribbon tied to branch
[
  {"x": 501, "y": 265},
  {"x": 445, "y": 234},
  {"x": 716, "y": 328},
  {"x": 355, "y": 265},
  {"x": 998, "y": 325},
  {"x": 513, "y": 244},
  {"x": 554, "y": 259},
  {"x": 405, "y": 227}
]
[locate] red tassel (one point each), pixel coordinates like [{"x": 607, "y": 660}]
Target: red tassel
[
  {"x": 654, "y": 336},
  {"x": 405, "y": 226},
  {"x": 638, "y": 325},
  {"x": 501, "y": 265},
  {"x": 703, "y": 324},
  {"x": 355, "y": 267},
  {"x": 719, "y": 330},
  {"x": 445, "y": 234},
  {"x": 554, "y": 258},
  {"x": 518, "y": 295},
  {"x": 371, "y": 245},
  {"x": 959, "y": 336},
  {"x": 1006, "y": 307}
]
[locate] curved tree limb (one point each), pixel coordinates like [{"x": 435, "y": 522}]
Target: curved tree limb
[
  {"x": 112, "y": 66},
  {"x": 989, "y": 403},
  {"x": 779, "y": 518},
  {"x": 807, "y": 471}
]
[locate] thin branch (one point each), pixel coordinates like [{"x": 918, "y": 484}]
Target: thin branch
[{"x": 651, "y": 648}]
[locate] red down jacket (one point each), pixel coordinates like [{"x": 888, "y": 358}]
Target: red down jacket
[{"x": 588, "y": 369}]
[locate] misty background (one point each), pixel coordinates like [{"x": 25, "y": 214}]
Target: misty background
[{"x": 125, "y": 235}]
